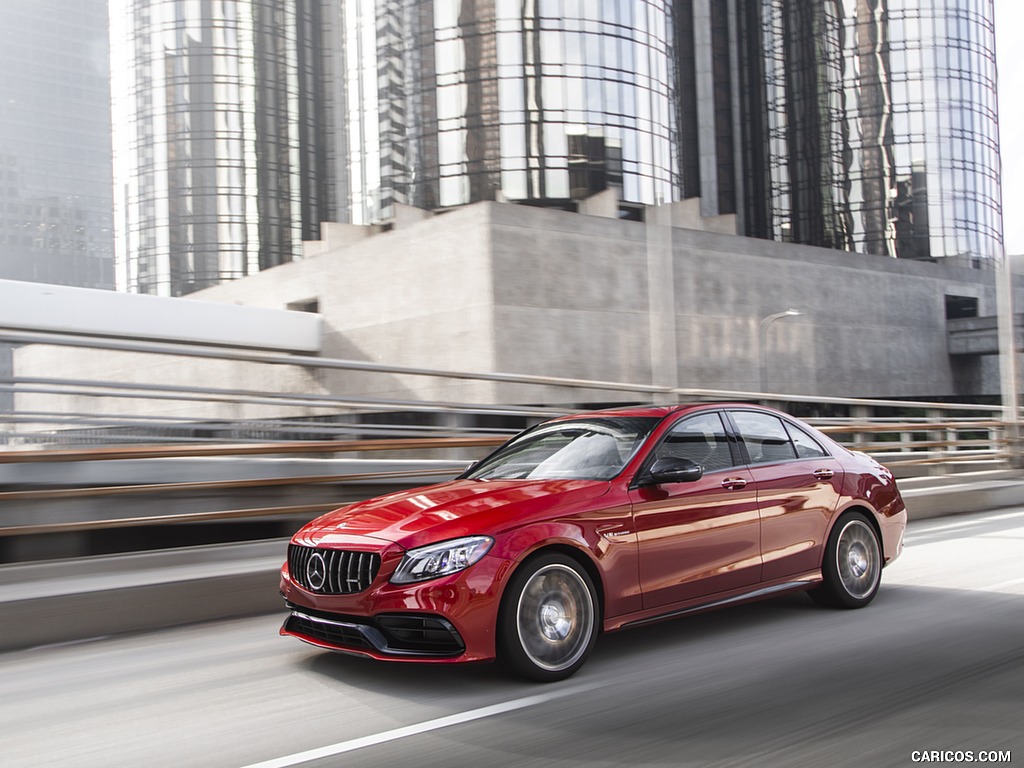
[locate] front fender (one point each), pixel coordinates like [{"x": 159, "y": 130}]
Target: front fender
[{"x": 612, "y": 561}]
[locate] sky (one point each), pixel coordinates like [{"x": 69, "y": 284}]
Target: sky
[{"x": 1010, "y": 65}]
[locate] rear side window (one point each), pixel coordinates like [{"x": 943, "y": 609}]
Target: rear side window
[
  {"x": 764, "y": 436},
  {"x": 806, "y": 446}
]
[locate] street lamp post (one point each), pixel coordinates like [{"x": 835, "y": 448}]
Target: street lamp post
[
  {"x": 1008, "y": 358},
  {"x": 763, "y": 348}
]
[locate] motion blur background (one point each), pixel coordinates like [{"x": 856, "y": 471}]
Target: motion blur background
[{"x": 260, "y": 258}]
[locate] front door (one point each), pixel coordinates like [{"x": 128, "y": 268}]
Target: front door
[{"x": 703, "y": 537}]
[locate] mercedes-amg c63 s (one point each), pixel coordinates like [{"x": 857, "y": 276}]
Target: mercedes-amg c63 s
[{"x": 592, "y": 523}]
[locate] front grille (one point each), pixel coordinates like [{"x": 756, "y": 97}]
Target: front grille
[{"x": 332, "y": 571}]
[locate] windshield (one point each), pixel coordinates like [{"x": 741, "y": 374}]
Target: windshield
[{"x": 577, "y": 449}]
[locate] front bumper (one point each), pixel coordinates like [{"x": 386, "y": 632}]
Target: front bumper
[
  {"x": 449, "y": 619},
  {"x": 392, "y": 636}
]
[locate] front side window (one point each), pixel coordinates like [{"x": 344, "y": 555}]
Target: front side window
[
  {"x": 574, "y": 449},
  {"x": 700, "y": 439},
  {"x": 764, "y": 436}
]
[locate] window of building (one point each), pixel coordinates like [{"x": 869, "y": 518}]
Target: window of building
[
  {"x": 958, "y": 307},
  {"x": 305, "y": 305}
]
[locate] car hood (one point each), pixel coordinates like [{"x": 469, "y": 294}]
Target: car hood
[{"x": 458, "y": 508}]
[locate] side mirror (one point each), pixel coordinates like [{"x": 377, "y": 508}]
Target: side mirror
[{"x": 670, "y": 470}]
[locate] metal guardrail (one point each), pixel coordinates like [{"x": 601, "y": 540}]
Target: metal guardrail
[
  {"x": 203, "y": 451},
  {"x": 901, "y": 453},
  {"x": 923, "y": 441},
  {"x": 276, "y": 449},
  {"x": 901, "y": 433},
  {"x": 64, "y": 421}
]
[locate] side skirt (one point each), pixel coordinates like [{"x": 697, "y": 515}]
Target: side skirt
[{"x": 801, "y": 583}]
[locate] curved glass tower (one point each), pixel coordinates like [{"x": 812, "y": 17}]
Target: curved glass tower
[
  {"x": 871, "y": 125},
  {"x": 541, "y": 101},
  {"x": 927, "y": 129},
  {"x": 220, "y": 120}
]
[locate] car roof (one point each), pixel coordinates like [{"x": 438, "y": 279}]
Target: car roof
[{"x": 658, "y": 411}]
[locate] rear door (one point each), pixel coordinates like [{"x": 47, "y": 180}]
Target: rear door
[{"x": 798, "y": 487}]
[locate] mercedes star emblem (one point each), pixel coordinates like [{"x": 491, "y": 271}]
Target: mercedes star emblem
[{"x": 316, "y": 571}]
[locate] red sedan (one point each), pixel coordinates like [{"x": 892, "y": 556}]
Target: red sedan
[{"x": 595, "y": 522}]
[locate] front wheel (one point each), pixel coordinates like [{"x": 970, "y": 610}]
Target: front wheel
[
  {"x": 549, "y": 619},
  {"x": 852, "y": 568}
]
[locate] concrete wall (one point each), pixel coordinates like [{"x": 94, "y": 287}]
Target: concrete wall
[
  {"x": 594, "y": 298},
  {"x": 507, "y": 288},
  {"x": 419, "y": 296},
  {"x": 416, "y": 296}
]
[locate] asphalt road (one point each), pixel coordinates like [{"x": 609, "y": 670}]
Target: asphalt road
[{"x": 935, "y": 663}]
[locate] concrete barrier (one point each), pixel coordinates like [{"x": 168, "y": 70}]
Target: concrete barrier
[
  {"x": 958, "y": 494},
  {"x": 67, "y": 600}
]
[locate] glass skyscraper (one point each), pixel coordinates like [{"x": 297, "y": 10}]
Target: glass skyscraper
[
  {"x": 870, "y": 125},
  {"x": 56, "y": 222},
  {"x": 860, "y": 125},
  {"x": 223, "y": 156},
  {"x": 454, "y": 101},
  {"x": 866, "y": 125}
]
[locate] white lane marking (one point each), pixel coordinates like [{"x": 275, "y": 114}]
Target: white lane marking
[
  {"x": 424, "y": 727},
  {"x": 921, "y": 529},
  {"x": 68, "y": 643},
  {"x": 1000, "y": 585}
]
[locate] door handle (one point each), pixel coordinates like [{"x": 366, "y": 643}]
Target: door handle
[
  {"x": 824, "y": 474},
  {"x": 734, "y": 483}
]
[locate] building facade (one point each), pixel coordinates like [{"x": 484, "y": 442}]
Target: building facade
[
  {"x": 861, "y": 125},
  {"x": 451, "y": 102},
  {"x": 870, "y": 125},
  {"x": 858, "y": 125},
  {"x": 454, "y": 101},
  {"x": 56, "y": 202},
  {"x": 223, "y": 118},
  {"x": 56, "y": 220},
  {"x": 648, "y": 307}
]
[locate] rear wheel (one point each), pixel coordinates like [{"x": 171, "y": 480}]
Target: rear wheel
[
  {"x": 549, "y": 619},
  {"x": 852, "y": 568}
]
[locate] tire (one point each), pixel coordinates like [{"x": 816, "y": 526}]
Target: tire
[
  {"x": 548, "y": 620},
  {"x": 852, "y": 567}
]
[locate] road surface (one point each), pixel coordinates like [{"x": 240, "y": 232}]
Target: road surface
[{"x": 936, "y": 663}]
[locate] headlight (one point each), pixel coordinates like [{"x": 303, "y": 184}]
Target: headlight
[{"x": 440, "y": 559}]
